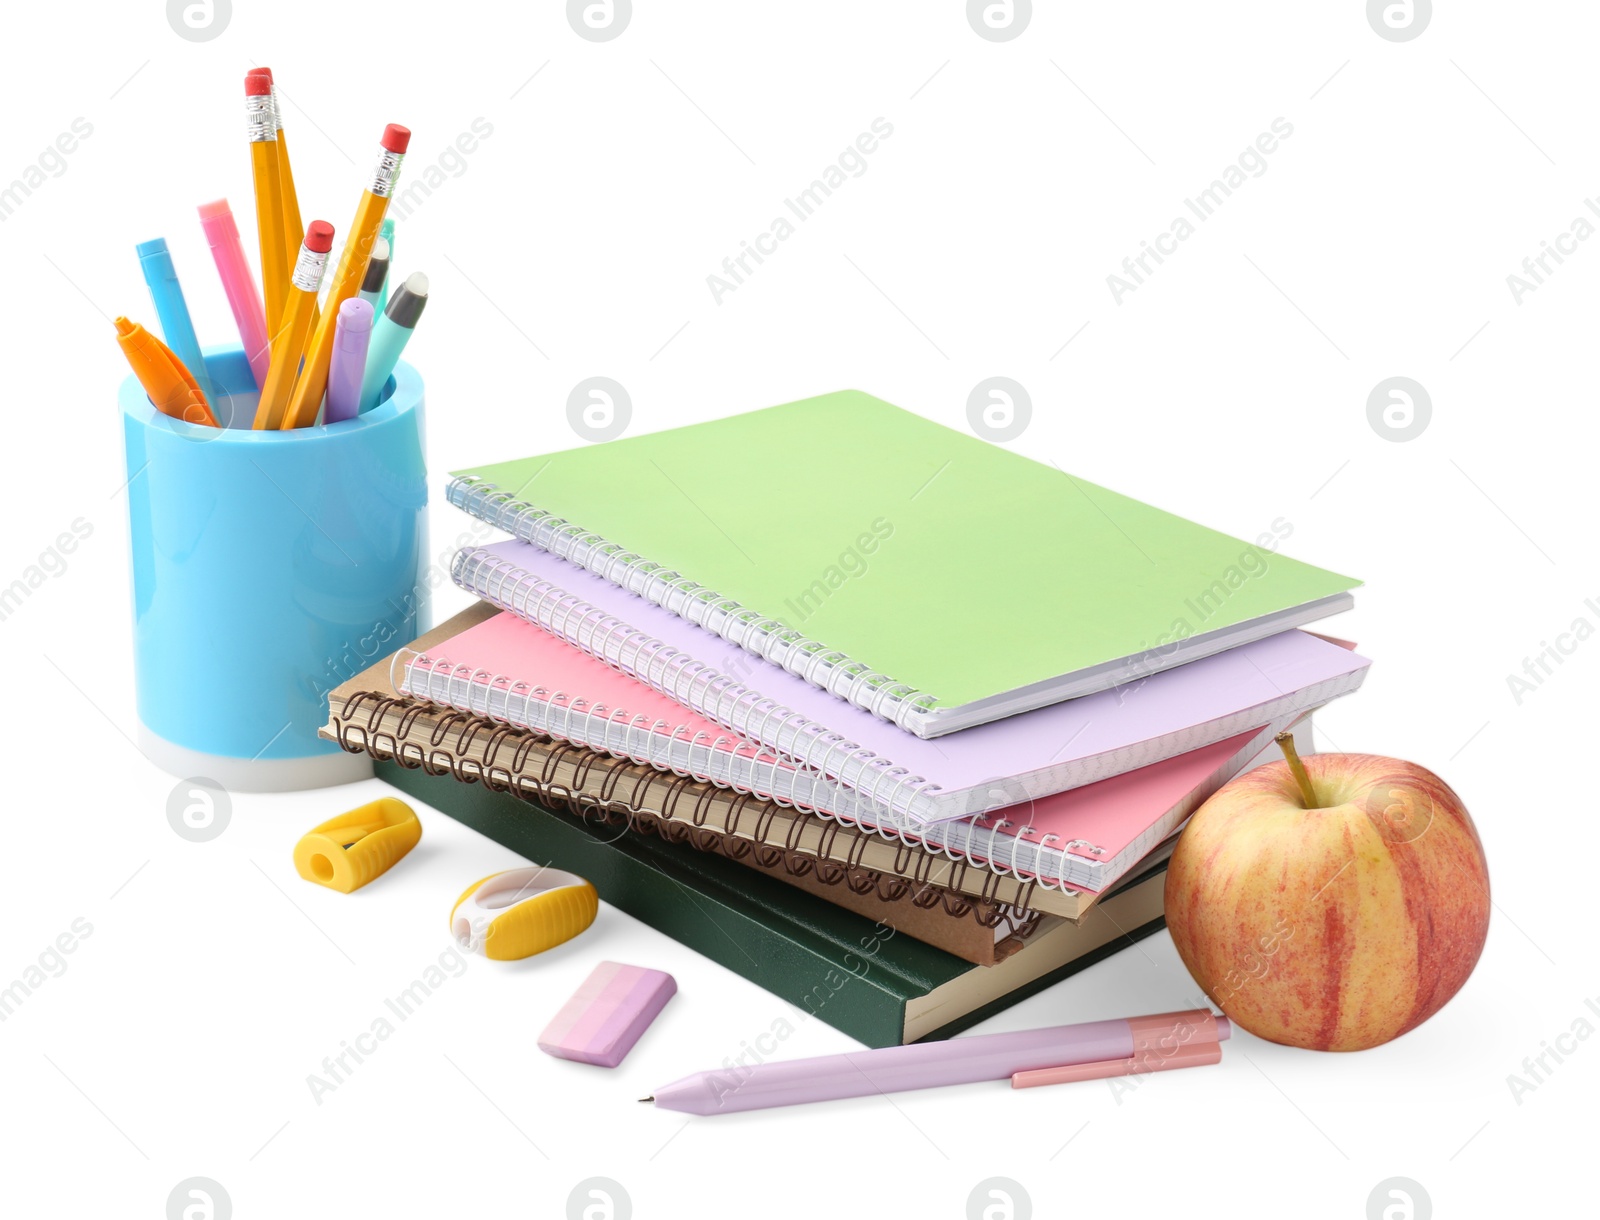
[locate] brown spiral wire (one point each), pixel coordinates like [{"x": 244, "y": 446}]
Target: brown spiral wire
[{"x": 604, "y": 791}]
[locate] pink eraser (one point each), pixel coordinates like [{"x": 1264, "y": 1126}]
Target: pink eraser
[{"x": 608, "y": 1014}]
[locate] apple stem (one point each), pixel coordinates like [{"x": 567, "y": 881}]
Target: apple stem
[{"x": 1285, "y": 742}]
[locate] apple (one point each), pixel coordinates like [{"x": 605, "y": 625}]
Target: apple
[{"x": 1332, "y": 904}]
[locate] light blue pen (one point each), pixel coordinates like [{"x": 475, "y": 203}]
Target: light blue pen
[
  {"x": 385, "y": 231},
  {"x": 171, "y": 311},
  {"x": 390, "y": 336}
]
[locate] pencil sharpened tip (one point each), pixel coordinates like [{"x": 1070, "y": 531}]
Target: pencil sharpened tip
[{"x": 647, "y": 1099}]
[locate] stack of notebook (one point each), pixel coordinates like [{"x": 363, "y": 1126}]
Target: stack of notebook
[{"x": 837, "y": 664}]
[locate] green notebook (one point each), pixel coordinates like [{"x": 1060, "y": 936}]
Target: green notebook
[
  {"x": 879, "y": 987},
  {"x": 925, "y": 575}
]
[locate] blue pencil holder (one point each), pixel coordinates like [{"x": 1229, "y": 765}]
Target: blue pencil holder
[{"x": 268, "y": 568}]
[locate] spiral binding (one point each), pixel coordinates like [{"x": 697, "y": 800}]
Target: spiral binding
[
  {"x": 611, "y": 791},
  {"x": 766, "y": 637},
  {"x": 680, "y": 749},
  {"x": 615, "y": 643},
  {"x": 692, "y": 683},
  {"x": 776, "y": 778}
]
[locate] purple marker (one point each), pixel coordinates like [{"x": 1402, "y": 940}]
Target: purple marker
[{"x": 350, "y": 337}]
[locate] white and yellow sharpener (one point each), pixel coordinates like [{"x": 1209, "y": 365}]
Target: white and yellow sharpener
[{"x": 524, "y": 911}]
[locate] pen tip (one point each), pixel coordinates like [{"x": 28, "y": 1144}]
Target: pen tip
[
  {"x": 647, "y": 1099},
  {"x": 124, "y": 327}
]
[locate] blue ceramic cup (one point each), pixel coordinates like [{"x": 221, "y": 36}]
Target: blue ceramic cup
[{"x": 268, "y": 568}]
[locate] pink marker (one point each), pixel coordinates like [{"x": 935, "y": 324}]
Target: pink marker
[
  {"x": 927, "y": 1065},
  {"x": 350, "y": 336},
  {"x": 216, "y": 218}
]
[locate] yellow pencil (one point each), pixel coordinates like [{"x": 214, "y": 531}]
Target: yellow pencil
[
  {"x": 262, "y": 133},
  {"x": 290, "y": 340},
  {"x": 308, "y": 391},
  {"x": 293, "y": 231}
]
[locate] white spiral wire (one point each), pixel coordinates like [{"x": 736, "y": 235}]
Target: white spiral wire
[
  {"x": 693, "y": 683},
  {"x": 766, "y": 637},
  {"x": 642, "y": 739}
]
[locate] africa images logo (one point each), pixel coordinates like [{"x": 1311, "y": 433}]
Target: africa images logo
[
  {"x": 999, "y": 20},
  {"x": 599, "y": 20}
]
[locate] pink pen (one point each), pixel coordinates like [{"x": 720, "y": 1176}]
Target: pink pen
[
  {"x": 216, "y": 218},
  {"x": 350, "y": 335},
  {"x": 932, "y": 1064}
]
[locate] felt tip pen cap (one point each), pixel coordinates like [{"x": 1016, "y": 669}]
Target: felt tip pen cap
[
  {"x": 257, "y": 85},
  {"x": 407, "y": 304},
  {"x": 217, "y": 209},
  {"x": 355, "y": 317},
  {"x": 157, "y": 259},
  {"x": 396, "y": 138},
  {"x": 319, "y": 237}
]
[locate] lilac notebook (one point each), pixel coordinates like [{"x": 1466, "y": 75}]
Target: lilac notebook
[{"x": 1021, "y": 758}]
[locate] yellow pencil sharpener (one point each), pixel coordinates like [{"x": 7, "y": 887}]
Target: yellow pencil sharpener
[
  {"x": 346, "y": 852},
  {"x": 516, "y": 914}
]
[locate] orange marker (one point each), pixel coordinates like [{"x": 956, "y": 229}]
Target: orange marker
[
  {"x": 293, "y": 231},
  {"x": 262, "y": 133},
  {"x": 290, "y": 340},
  {"x": 308, "y": 391},
  {"x": 171, "y": 387}
]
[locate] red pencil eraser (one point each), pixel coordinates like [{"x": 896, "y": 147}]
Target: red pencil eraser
[
  {"x": 266, "y": 72},
  {"x": 255, "y": 85},
  {"x": 319, "y": 237},
  {"x": 396, "y": 138}
]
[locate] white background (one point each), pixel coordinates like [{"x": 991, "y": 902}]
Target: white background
[{"x": 1232, "y": 387}]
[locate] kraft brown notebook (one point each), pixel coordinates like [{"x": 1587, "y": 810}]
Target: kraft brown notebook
[{"x": 977, "y": 928}]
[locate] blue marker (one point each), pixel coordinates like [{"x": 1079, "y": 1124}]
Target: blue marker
[
  {"x": 390, "y": 336},
  {"x": 167, "y": 295}
]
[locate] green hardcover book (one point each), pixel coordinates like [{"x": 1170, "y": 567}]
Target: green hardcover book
[{"x": 879, "y": 987}]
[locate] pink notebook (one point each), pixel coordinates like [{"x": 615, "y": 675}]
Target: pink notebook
[
  {"x": 1105, "y": 828},
  {"x": 511, "y": 671}
]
